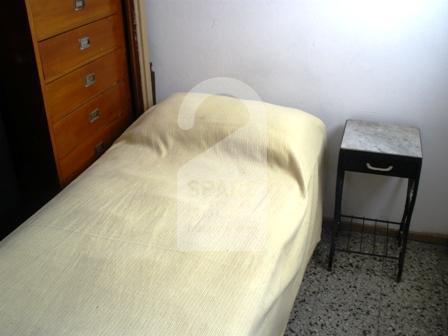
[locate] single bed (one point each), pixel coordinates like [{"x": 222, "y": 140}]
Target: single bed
[{"x": 166, "y": 233}]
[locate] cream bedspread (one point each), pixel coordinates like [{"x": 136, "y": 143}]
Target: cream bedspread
[{"x": 128, "y": 249}]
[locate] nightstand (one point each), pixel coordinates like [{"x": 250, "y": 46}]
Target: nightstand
[{"x": 382, "y": 149}]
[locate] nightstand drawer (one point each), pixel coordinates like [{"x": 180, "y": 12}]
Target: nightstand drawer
[
  {"x": 63, "y": 53},
  {"x": 380, "y": 164}
]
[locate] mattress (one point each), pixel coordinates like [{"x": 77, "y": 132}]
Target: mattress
[{"x": 199, "y": 220}]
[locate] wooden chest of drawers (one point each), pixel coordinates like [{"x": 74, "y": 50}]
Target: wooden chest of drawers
[{"x": 80, "y": 52}]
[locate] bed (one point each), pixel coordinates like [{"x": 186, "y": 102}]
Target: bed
[{"x": 190, "y": 224}]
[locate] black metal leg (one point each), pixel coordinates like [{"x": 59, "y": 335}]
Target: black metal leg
[
  {"x": 412, "y": 193},
  {"x": 337, "y": 212},
  {"x": 405, "y": 212}
]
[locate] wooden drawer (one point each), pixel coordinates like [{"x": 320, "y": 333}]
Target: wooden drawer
[
  {"x": 380, "y": 164},
  {"x": 51, "y": 17},
  {"x": 65, "y": 52},
  {"x": 71, "y": 91},
  {"x": 87, "y": 152},
  {"x": 90, "y": 118}
]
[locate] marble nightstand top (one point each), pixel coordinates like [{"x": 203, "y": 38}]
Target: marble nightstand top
[{"x": 382, "y": 138}]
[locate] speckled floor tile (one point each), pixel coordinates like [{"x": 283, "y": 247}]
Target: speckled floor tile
[
  {"x": 327, "y": 321},
  {"x": 354, "y": 280},
  {"x": 360, "y": 296},
  {"x": 422, "y": 263},
  {"x": 412, "y": 308}
]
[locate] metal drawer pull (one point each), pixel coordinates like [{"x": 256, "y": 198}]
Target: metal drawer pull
[
  {"x": 388, "y": 169},
  {"x": 79, "y": 5},
  {"x": 100, "y": 148},
  {"x": 90, "y": 80},
  {"x": 94, "y": 115},
  {"x": 84, "y": 43}
]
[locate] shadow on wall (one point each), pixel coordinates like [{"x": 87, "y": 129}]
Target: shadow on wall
[
  {"x": 375, "y": 196},
  {"x": 334, "y": 137}
]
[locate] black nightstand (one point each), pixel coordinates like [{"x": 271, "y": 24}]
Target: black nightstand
[{"x": 381, "y": 149}]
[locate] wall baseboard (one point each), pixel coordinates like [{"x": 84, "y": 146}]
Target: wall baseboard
[{"x": 426, "y": 237}]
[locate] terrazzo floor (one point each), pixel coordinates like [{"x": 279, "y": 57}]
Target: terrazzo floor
[{"x": 360, "y": 296}]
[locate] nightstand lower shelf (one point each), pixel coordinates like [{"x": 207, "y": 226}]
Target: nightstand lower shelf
[{"x": 368, "y": 236}]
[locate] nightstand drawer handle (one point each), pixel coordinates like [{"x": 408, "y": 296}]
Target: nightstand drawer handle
[{"x": 388, "y": 169}]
